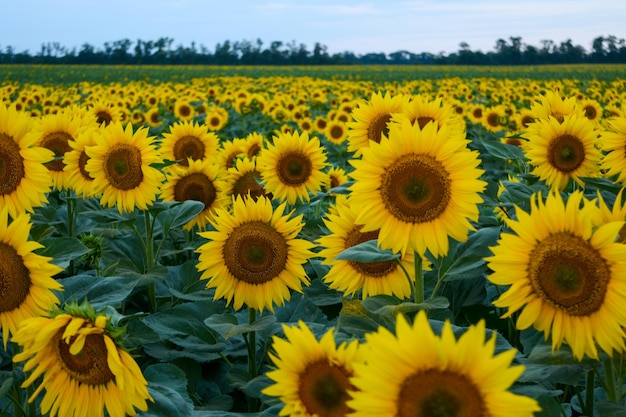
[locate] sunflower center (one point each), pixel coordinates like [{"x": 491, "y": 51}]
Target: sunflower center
[
  {"x": 569, "y": 273},
  {"x": 336, "y": 132},
  {"x": 423, "y": 121},
  {"x": 11, "y": 165},
  {"x": 566, "y": 153},
  {"x": 248, "y": 184},
  {"x": 378, "y": 128},
  {"x": 188, "y": 147},
  {"x": 435, "y": 393},
  {"x": 123, "y": 167},
  {"x": 373, "y": 269},
  {"x": 82, "y": 163},
  {"x": 590, "y": 112},
  {"x": 184, "y": 111},
  {"x": 14, "y": 278},
  {"x": 493, "y": 119},
  {"x": 416, "y": 188},
  {"x": 255, "y": 252},
  {"x": 254, "y": 150},
  {"x": 57, "y": 142},
  {"x": 89, "y": 366},
  {"x": 323, "y": 389},
  {"x": 104, "y": 117},
  {"x": 195, "y": 186},
  {"x": 294, "y": 168}
]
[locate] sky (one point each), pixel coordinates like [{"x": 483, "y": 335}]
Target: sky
[{"x": 340, "y": 25}]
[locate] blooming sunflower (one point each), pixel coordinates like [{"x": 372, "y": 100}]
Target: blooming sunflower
[
  {"x": 120, "y": 164},
  {"x": 417, "y": 373},
  {"x": 56, "y": 132},
  {"x": 560, "y": 151},
  {"x": 183, "y": 110},
  {"x": 253, "y": 256},
  {"x": 83, "y": 366},
  {"x": 243, "y": 180},
  {"x": 216, "y": 118},
  {"x": 421, "y": 110},
  {"x": 613, "y": 142},
  {"x": 336, "y": 176},
  {"x": 26, "y": 282},
  {"x": 188, "y": 140},
  {"x": 567, "y": 276},
  {"x": 78, "y": 178},
  {"x": 104, "y": 112},
  {"x": 292, "y": 166},
  {"x": 368, "y": 278},
  {"x": 371, "y": 118},
  {"x": 418, "y": 187},
  {"x": 553, "y": 104},
  {"x": 312, "y": 377},
  {"x": 24, "y": 179},
  {"x": 200, "y": 182},
  {"x": 336, "y": 131},
  {"x": 253, "y": 143}
]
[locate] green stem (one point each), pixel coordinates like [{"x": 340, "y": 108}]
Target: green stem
[
  {"x": 418, "y": 288},
  {"x": 609, "y": 379},
  {"x": 71, "y": 223},
  {"x": 252, "y": 369},
  {"x": 149, "y": 245},
  {"x": 590, "y": 386}
]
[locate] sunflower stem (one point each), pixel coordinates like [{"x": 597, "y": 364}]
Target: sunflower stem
[
  {"x": 609, "y": 379},
  {"x": 252, "y": 369},
  {"x": 150, "y": 261},
  {"x": 590, "y": 385},
  {"x": 71, "y": 223},
  {"x": 418, "y": 287}
]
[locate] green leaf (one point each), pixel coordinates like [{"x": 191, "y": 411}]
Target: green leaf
[
  {"x": 183, "y": 325},
  {"x": 62, "y": 250},
  {"x": 388, "y": 306},
  {"x": 367, "y": 252},
  {"x": 502, "y": 150},
  {"x": 177, "y": 214},
  {"x": 227, "y": 324},
  {"x": 7, "y": 383},
  {"x": 99, "y": 291},
  {"x": 167, "y": 385}
]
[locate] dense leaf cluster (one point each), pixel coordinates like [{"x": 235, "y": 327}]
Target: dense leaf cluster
[{"x": 604, "y": 49}]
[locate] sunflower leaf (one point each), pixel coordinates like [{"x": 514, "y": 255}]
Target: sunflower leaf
[
  {"x": 502, "y": 150},
  {"x": 178, "y": 214},
  {"x": 168, "y": 386},
  {"x": 227, "y": 324},
  {"x": 62, "y": 250},
  {"x": 367, "y": 252}
]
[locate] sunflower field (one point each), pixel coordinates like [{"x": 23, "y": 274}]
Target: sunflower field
[{"x": 312, "y": 241}]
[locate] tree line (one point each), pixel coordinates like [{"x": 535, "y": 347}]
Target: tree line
[{"x": 512, "y": 51}]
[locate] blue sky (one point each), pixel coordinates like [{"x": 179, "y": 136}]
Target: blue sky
[{"x": 341, "y": 25}]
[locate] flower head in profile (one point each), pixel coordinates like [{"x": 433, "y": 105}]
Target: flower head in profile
[
  {"x": 24, "y": 179},
  {"x": 418, "y": 187},
  {"x": 415, "y": 372},
  {"x": 311, "y": 375},
  {"x": 292, "y": 166},
  {"x": 26, "y": 278},
  {"x": 75, "y": 355},
  {"x": 253, "y": 255},
  {"x": 566, "y": 274},
  {"x": 121, "y": 165}
]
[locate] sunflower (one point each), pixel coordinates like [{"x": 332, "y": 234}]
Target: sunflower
[
  {"x": 154, "y": 117},
  {"x": 24, "y": 179},
  {"x": 418, "y": 373},
  {"x": 120, "y": 164},
  {"x": 252, "y": 256},
  {"x": 368, "y": 278},
  {"x": 336, "y": 132},
  {"x": 494, "y": 118},
  {"x": 292, "y": 166},
  {"x": 312, "y": 377},
  {"x": 78, "y": 179},
  {"x": 104, "y": 112},
  {"x": 200, "y": 182},
  {"x": 216, "y": 118},
  {"x": 26, "y": 282},
  {"x": 183, "y": 110},
  {"x": 253, "y": 143},
  {"x": 243, "y": 180},
  {"x": 188, "y": 140},
  {"x": 591, "y": 109},
  {"x": 553, "y": 104},
  {"x": 421, "y": 110},
  {"x": 613, "y": 142},
  {"x": 56, "y": 132},
  {"x": 230, "y": 151},
  {"x": 83, "y": 367},
  {"x": 562, "y": 151},
  {"x": 418, "y": 187},
  {"x": 566, "y": 276},
  {"x": 336, "y": 176},
  {"x": 371, "y": 118}
]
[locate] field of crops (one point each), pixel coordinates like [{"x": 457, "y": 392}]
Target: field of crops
[{"x": 330, "y": 241}]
